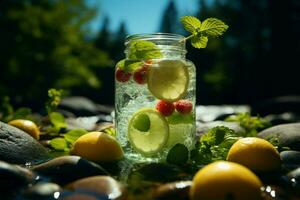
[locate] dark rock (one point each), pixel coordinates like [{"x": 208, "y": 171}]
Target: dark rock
[
  {"x": 290, "y": 158},
  {"x": 277, "y": 105},
  {"x": 81, "y": 195},
  {"x": 274, "y": 192},
  {"x": 42, "y": 191},
  {"x": 82, "y": 106},
  {"x": 287, "y": 134},
  {"x": 102, "y": 185},
  {"x": 66, "y": 169},
  {"x": 204, "y": 127},
  {"x": 294, "y": 180},
  {"x": 18, "y": 147},
  {"x": 176, "y": 190},
  {"x": 13, "y": 177},
  {"x": 283, "y": 118},
  {"x": 294, "y": 174}
]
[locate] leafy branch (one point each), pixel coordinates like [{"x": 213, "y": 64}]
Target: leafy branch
[{"x": 200, "y": 32}]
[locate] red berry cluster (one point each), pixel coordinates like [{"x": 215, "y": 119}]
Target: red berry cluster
[
  {"x": 167, "y": 108},
  {"x": 139, "y": 75}
]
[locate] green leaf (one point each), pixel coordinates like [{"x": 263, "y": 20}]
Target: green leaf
[
  {"x": 121, "y": 64},
  {"x": 199, "y": 42},
  {"x": 178, "y": 118},
  {"x": 58, "y": 120},
  {"x": 129, "y": 65},
  {"x": 22, "y": 113},
  {"x": 191, "y": 24},
  {"x": 110, "y": 131},
  {"x": 251, "y": 124},
  {"x": 59, "y": 144},
  {"x": 54, "y": 99},
  {"x": 143, "y": 50},
  {"x": 73, "y": 135},
  {"x": 178, "y": 154},
  {"x": 215, "y": 144},
  {"x": 213, "y": 27}
]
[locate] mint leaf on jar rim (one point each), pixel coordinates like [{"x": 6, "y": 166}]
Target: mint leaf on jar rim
[{"x": 143, "y": 50}]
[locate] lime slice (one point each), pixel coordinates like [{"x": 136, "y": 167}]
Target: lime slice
[
  {"x": 168, "y": 80},
  {"x": 148, "y": 131}
]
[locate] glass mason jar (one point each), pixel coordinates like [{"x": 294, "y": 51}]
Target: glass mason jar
[{"x": 155, "y": 97}]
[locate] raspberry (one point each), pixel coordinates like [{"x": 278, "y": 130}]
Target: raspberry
[
  {"x": 183, "y": 106},
  {"x": 140, "y": 75},
  {"x": 122, "y": 76},
  {"x": 165, "y": 108}
]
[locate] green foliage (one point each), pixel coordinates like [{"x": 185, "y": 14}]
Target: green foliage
[
  {"x": 143, "y": 50},
  {"x": 66, "y": 143},
  {"x": 252, "y": 125},
  {"x": 129, "y": 65},
  {"x": 191, "y": 24},
  {"x": 44, "y": 45},
  {"x": 110, "y": 131},
  {"x": 8, "y": 113},
  {"x": 214, "y": 145},
  {"x": 59, "y": 144},
  {"x": 54, "y": 100},
  {"x": 58, "y": 121},
  {"x": 139, "y": 51},
  {"x": 210, "y": 27},
  {"x": 178, "y": 154}
]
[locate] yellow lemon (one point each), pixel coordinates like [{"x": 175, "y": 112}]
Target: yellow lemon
[
  {"x": 255, "y": 153},
  {"x": 224, "y": 180},
  {"x": 27, "y": 126},
  {"x": 98, "y": 147},
  {"x": 168, "y": 80}
]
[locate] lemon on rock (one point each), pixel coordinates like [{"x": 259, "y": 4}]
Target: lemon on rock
[
  {"x": 148, "y": 131},
  {"x": 255, "y": 153},
  {"x": 98, "y": 147},
  {"x": 27, "y": 126},
  {"x": 224, "y": 180},
  {"x": 168, "y": 80}
]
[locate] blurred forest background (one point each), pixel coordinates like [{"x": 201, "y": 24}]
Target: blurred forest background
[{"x": 46, "y": 43}]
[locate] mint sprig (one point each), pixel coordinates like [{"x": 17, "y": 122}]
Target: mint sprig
[
  {"x": 211, "y": 27},
  {"x": 139, "y": 51}
]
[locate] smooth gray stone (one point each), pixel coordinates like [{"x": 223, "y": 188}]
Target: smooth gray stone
[
  {"x": 42, "y": 191},
  {"x": 287, "y": 134},
  {"x": 290, "y": 157},
  {"x": 18, "y": 147},
  {"x": 13, "y": 178},
  {"x": 66, "y": 169}
]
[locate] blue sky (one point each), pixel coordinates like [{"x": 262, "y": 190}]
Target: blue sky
[{"x": 140, "y": 16}]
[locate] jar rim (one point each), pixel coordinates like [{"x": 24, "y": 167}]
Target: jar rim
[{"x": 154, "y": 36}]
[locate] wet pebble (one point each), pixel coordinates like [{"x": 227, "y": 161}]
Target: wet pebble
[
  {"x": 14, "y": 175},
  {"x": 18, "y": 147},
  {"x": 101, "y": 185},
  {"x": 176, "y": 190},
  {"x": 65, "y": 169},
  {"x": 290, "y": 159},
  {"x": 287, "y": 134},
  {"x": 42, "y": 191}
]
